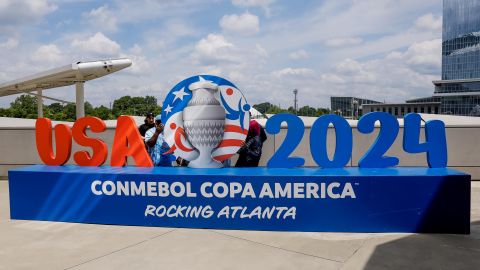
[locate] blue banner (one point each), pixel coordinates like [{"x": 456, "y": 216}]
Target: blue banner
[{"x": 304, "y": 199}]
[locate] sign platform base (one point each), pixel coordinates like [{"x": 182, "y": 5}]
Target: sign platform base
[{"x": 303, "y": 199}]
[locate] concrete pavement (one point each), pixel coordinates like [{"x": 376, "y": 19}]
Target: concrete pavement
[{"x": 55, "y": 245}]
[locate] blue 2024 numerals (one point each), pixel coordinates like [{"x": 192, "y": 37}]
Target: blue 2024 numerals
[{"x": 435, "y": 145}]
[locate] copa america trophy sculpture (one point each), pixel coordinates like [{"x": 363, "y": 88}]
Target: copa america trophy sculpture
[{"x": 204, "y": 122}]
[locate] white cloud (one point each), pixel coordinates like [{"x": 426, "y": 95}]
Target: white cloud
[
  {"x": 102, "y": 18},
  {"x": 260, "y": 51},
  {"x": 245, "y": 24},
  {"x": 140, "y": 63},
  {"x": 97, "y": 44},
  {"x": 340, "y": 42},
  {"x": 425, "y": 56},
  {"x": 11, "y": 43},
  {"x": 47, "y": 55},
  {"x": 21, "y": 12},
  {"x": 396, "y": 77},
  {"x": 356, "y": 72},
  {"x": 254, "y": 3},
  {"x": 297, "y": 72},
  {"x": 299, "y": 55},
  {"x": 331, "y": 78},
  {"x": 429, "y": 22},
  {"x": 214, "y": 48}
]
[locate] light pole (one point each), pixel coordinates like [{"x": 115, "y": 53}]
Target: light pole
[
  {"x": 354, "y": 102},
  {"x": 295, "y": 92}
]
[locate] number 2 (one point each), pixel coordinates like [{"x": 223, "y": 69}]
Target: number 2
[
  {"x": 294, "y": 135},
  {"x": 374, "y": 158}
]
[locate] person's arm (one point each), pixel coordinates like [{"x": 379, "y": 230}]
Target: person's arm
[
  {"x": 153, "y": 140},
  {"x": 263, "y": 135}
]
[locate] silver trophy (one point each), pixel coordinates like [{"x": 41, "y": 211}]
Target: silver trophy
[{"x": 204, "y": 122}]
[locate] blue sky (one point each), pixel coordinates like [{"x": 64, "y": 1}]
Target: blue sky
[{"x": 378, "y": 49}]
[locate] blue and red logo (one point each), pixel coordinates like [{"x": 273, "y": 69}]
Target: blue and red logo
[{"x": 206, "y": 120}]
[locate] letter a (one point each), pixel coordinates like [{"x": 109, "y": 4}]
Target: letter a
[
  {"x": 128, "y": 142},
  {"x": 63, "y": 142}
]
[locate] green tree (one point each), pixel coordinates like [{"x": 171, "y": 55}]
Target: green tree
[
  {"x": 307, "y": 111},
  {"x": 103, "y": 112},
  {"x": 24, "y": 106},
  {"x": 55, "y": 108},
  {"x": 5, "y": 112},
  {"x": 69, "y": 112},
  {"x": 88, "y": 108},
  {"x": 263, "y": 107},
  {"x": 128, "y": 105}
]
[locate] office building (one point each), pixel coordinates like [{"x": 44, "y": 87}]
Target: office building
[{"x": 349, "y": 107}]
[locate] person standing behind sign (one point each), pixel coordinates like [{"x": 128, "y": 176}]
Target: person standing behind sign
[
  {"x": 251, "y": 151},
  {"x": 157, "y": 146},
  {"x": 149, "y": 123}
]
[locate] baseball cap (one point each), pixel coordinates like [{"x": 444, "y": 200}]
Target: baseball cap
[
  {"x": 149, "y": 114},
  {"x": 158, "y": 118}
]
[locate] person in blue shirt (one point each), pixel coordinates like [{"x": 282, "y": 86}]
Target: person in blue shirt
[{"x": 157, "y": 146}]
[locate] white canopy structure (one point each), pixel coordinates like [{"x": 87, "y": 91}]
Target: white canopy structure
[{"x": 76, "y": 73}]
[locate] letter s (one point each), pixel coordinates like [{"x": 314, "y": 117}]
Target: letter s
[{"x": 99, "y": 148}]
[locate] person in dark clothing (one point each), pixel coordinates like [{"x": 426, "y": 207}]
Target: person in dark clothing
[
  {"x": 263, "y": 135},
  {"x": 149, "y": 123},
  {"x": 251, "y": 151}
]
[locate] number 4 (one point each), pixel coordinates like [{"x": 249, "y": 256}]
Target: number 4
[{"x": 435, "y": 144}]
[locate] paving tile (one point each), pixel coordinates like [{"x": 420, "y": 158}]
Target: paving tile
[
  {"x": 204, "y": 249},
  {"x": 52, "y": 245},
  {"x": 333, "y": 246}
]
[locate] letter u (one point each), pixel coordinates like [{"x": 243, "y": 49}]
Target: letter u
[{"x": 63, "y": 142}]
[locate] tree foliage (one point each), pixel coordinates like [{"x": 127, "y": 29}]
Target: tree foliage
[{"x": 25, "y": 106}]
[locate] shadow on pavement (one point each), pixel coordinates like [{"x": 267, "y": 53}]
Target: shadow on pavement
[{"x": 429, "y": 251}]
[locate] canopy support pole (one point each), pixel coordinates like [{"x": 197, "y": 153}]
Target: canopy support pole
[
  {"x": 80, "y": 99},
  {"x": 39, "y": 104}
]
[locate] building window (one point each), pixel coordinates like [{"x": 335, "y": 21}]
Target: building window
[
  {"x": 429, "y": 109},
  {"x": 409, "y": 110},
  {"x": 415, "y": 109},
  {"x": 422, "y": 110},
  {"x": 383, "y": 109},
  {"x": 390, "y": 110},
  {"x": 402, "y": 110},
  {"x": 396, "y": 111}
]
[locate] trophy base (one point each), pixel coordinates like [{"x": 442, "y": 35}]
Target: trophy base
[{"x": 205, "y": 164}]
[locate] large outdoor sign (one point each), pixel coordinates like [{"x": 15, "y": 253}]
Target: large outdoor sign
[{"x": 206, "y": 122}]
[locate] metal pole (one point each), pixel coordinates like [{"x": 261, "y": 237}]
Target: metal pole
[
  {"x": 353, "y": 107},
  {"x": 295, "y": 92},
  {"x": 80, "y": 99},
  {"x": 39, "y": 104}
]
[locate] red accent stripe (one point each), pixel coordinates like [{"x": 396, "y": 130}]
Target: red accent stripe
[
  {"x": 178, "y": 140},
  {"x": 230, "y": 142},
  {"x": 223, "y": 157},
  {"x": 232, "y": 128}
]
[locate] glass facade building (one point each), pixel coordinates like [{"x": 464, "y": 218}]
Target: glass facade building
[
  {"x": 458, "y": 91},
  {"x": 461, "y": 41},
  {"x": 349, "y": 107},
  {"x": 459, "y": 88}
]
